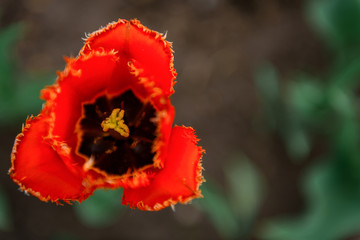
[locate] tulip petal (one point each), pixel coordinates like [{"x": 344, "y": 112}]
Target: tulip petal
[
  {"x": 178, "y": 181},
  {"x": 40, "y": 170},
  {"x": 83, "y": 78},
  {"x": 145, "y": 49}
]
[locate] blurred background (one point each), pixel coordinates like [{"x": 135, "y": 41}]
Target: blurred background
[{"x": 271, "y": 87}]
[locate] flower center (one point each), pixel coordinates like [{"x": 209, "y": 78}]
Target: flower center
[
  {"x": 118, "y": 133},
  {"x": 116, "y": 122}
]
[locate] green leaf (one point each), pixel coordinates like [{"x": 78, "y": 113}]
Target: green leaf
[
  {"x": 334, "y": 212},
  {"x": 338, "y": 21},
  {"x": 100, "y": 210},
  {"x": 246, "y": 188},
  {"x": 282, "y": 112},
  {"x": 232, "y": 212},
  {"x": 296, "y": 141},
  {"x": 306, "y": 97},
  {"x": 25, "y": 99},
  {"x": 345, "y": 17},
  {"x": 346, "y": 72},
  {"x": 219, "y": 210},
  {"x": 8, "y": 38},
  {"x": 19, "y": 91},
  {"x": 267, "y": 82}
]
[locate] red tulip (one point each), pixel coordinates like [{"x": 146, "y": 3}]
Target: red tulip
[{"x": 107, "y": 123}]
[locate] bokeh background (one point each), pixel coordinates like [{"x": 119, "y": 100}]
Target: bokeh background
[{"x": 271, "y": 87}]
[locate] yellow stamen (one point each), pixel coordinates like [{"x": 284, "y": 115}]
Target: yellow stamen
[{"x": 116, "y": 122}]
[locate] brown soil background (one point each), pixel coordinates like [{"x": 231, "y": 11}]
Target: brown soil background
[{"x": 218, "y": 44}]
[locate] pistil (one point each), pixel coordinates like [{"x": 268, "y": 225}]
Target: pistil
[{"x": 116, "y": 122}]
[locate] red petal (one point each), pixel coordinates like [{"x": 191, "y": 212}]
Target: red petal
[
  {"x": 180, "y": 179},
  {"x": 163, "y": 136},
  {"x": 40, "y": 170},
  {"x": 83, "y": 79},
  {"x": 145, "y": 49}
]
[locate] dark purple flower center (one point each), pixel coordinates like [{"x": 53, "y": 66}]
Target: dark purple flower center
[{"x": 118, "y": 133}]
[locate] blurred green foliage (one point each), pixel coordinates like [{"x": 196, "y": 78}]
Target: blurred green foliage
[
  {"x": 279, "y": 113},
  {"x": 233, "y": 210},
  {"x": 19, "y": 90},
  {"x": 337, "y": 21},
  {"x": 102, "y": 209},
  {"x": 307, "y": 109}
]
